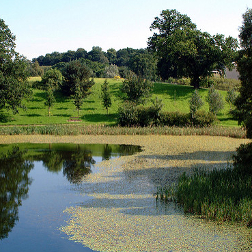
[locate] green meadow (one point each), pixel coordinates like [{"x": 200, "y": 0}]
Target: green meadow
[{"x": 174, "y": 98}]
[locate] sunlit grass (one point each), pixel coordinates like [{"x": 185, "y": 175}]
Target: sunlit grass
[{"x": 174, "y": 98}]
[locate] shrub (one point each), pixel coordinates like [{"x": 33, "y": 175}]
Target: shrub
[
  {"x": 243, "y": 159},
  {"x": 132, "y": 115},
  {"x": 127, "y": 114},
  {"x": 174, "y": 119},
  {"x": 202, "y": 118}
]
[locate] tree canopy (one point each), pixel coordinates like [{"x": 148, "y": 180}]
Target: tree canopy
[
  {"x": 184, "y": 51},
  {"x": 244, "y": 100},
  {"x": 13, "y": 71}
]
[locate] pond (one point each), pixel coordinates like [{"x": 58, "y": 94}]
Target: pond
[
  {"x": 105, "y": 202},
  {"x": 38, "y": 182}
]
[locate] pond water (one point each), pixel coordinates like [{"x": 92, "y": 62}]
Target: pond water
[
  {"x": 38, "y": 182},
  {"x": 67, "y": 197}
]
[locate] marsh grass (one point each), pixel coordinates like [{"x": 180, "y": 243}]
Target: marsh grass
[
  {"x": 98, "y": 129},
  {"x": 219, "y": 195}
]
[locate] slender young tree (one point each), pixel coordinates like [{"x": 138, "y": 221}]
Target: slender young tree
[
  {"x": 195, "y": 103},
  {"x": 78, "y": 98},
  {"x": 49, "y": 100},
  {"x": 106, "y": 99}
]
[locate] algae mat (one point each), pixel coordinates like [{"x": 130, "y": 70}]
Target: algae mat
[{"x": 122, "y": 214}]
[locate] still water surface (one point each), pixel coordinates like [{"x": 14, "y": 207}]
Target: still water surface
[{"x": 37, "y": 185}]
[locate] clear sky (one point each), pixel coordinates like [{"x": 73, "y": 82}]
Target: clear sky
[{"x": 45, "y": 26}]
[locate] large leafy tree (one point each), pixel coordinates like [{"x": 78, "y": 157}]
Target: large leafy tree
[
  {"x": 244, "y": 100},
  {"x": 13, "y": 72},
  {"x": 77, "y": 82},
  {"x": 185, "y": 51}
]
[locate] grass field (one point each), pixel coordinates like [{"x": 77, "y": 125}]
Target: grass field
[{"x": 174, "y": 97}]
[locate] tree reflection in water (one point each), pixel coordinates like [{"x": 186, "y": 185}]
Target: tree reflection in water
[
  {"x": 77, "y": 165},
  {"x": 75, "y": 161},
  {"x": 14, "y": 186}
]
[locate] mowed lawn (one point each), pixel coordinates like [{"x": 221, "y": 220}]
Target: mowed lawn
[{"x": 174, "y": 98}]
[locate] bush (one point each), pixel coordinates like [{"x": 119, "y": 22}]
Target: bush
[
  {"x": 243, "y": 159},
  {"x": 127, "y": 114},
  {"x": 203, "y": 118},
  {"x": 174, "y": 119},
  {"x": 131, "y": 115}
]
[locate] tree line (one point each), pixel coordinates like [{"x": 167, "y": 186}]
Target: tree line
[{"x": 103, "y": 64}]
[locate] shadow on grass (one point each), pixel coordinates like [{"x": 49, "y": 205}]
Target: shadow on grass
[
  {"x": 63, "y": 115},
  {"x": 96, "y": 118},
  {"x": 180, "y": 92},
  {"x": 39, "y": 96},
  {"x": 32, "y": 115}
]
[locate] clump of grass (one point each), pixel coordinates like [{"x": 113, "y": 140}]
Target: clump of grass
[
  {"x": 80, "y": 129},
  {"x": 220, "y": 195}
]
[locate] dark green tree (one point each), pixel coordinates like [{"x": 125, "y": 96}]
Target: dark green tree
[
  {"x": 144, "y": 64},
  {"x": 75, "y": 73},
  {"x": 106, "y": 99},
  {"x": 13, "y": 72},
  {"x": 244, "y": 100},
  {"x": 184, "y": 51},
  {"x": 136, "y": 88}
]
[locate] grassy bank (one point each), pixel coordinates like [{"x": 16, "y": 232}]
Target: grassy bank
[
  {"x": 174, "y": 98},
  {"x": 98, "y": 129}
]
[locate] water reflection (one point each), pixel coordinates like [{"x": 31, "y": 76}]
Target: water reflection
[
  {"x": 16, "y": 161},
  {"x": 14, "y": 186}
]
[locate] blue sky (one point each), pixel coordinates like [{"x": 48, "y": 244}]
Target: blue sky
[{"x": 45, "y": 26}]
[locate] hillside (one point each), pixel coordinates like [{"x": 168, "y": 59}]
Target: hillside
[{"x": 174, "y": 97}]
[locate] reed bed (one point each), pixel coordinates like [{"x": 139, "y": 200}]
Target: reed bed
[
  {"x": 78, "y": 129},
  {"x": 220, "y": 195}
]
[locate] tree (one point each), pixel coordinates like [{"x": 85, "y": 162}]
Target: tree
[
  {"x": 106, "y": 99},
  {"x": 214, "y": 100},
  {"x": 144, "y": 64},
  {"x": 50, "y": 99},
  {"x": 184, "y": 51},
  {"x": 96, "y": 54},
  {"x": 13, "y": 72},
  {"x": 52, "y": 79},
  {"x": 195, "y": 103},
  {"x": 78, "y": 97},
  {"x": 111, "y": 71},
  {"x": 231, "y": 97},
  {"x": 74, "y": 73},
  {"x": 136, "y": 88},
  {"x": 244, "y": 66}
]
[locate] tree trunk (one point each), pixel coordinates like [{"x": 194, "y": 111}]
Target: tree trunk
[{"x": 195, "y": 82}]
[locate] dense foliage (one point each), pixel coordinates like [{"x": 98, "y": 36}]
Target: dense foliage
[
  {"x": 13, "y": 72},
  {"x": 244, "y": 101},
  {"x": 183, "y": 50}
]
